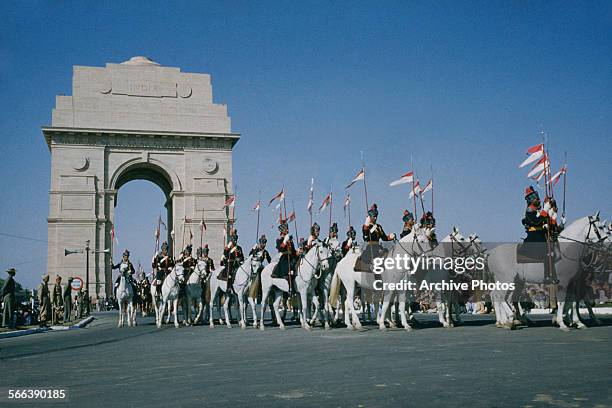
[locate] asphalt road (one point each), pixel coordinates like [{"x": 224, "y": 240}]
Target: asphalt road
[{"x": 475, "y": 365}]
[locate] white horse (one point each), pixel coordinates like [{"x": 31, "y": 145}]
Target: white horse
[
  {"x": 306, "y": 278},
  {"x": 194, "y": 293},
  {"x": 125, "y": 298},
  {"x": 170, "y": 296},
  {"x": 573, "y": 244},
  {"x": 242, "y": 280},
  {"x": 324, "y": 282}
]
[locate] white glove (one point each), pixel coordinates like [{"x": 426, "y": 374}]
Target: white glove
[
  {"x": 349, "y": 242},
  {"x": 286, "y": 239},
  {"x": 547, "y": 207},
  {"x": 392, "y": 235}
]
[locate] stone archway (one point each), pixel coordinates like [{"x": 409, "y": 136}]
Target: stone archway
[{"x": 134, "y": 120}]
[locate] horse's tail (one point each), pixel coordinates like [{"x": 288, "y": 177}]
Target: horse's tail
[{"x": 334, "y": 289}]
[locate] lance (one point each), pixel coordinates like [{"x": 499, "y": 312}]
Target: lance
[
  {"x": 331, "y": 206},
  {"x": 413, "y": 186},
  {"x": 184, "y": 225},
  {"x": 158, "y": 234},
  {"x": 348, "y": 206},
  {"x": 258, "y": 210},
  {"x": 564, "y": 183},
  {"x": 432, "y": 190},
  {"x": 311, "y": 202},
  {"x": 202, "y": 223},
  {"x": 548, "y": 189},
  {"x": 365, "y": 186},
  {"x": 294, "y": 218},
  {"x": 284, "y": 207}
]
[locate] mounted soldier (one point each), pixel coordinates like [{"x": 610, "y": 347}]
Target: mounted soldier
[
  {"x": 162, "y": 265},
  {"x": 350, "y": 241},
  {"x": 260, "y": 252},
  {"x": 232, "y": 258},
  {"x": 188, "y": 262},
  {"x": 202, "y": 254},
  {"x": 541, "y": 229},
  {"x": 373, "y": 233},
  {"x": 125, "y": 264},
  {"x": 332, "y": 239},
  {"x": 408, "y": 219},
  {"x": 428, "y": 223},
  {"x": 313, "y": 239},
  {"x": 286, "y": 249}
]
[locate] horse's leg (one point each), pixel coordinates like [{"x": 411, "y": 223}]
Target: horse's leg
[
  {"x": 199, "y": 316},
  {"x": 264, "y": 303},
  {"x": 304, "y": 301},
  {"x": 120, "y": 323},
  {"x": 226, "y": 307},
  {"x": 175, "y": 305},
  {"x": 278, "y": 297},
  {"x": 317, "y": 310},
  {"x": 211, "y": 305},
  {"x": 402, "y": 311},
  {"x": 254, "y": 310}
]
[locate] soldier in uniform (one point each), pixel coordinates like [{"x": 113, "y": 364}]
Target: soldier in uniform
[
  {"x": 57, "y": 299},
  {"x": 350, "y": 241},
  {"x": 8, "y": 299},
  {"x": 373, "y": 233},
  {"x": 232, "y": 258},
  {"x": 260, "y": 252},
  {"x": 188, "y": 262},
  {"x": 332, "y": 239},
  {"x": 539, "y": 227},
  {"x": 313, "y": 239},
  {"x": 428, "y": 223},
  {"x": 162, "y": 265},
  {"x": 284, "y": 245},
  {"x": 68, "y": 301},
  {"x": 203, "y": 256},
  {"x": 408, "y": 219},
  {"x": 44, "y": 302},
  {"x": 125, "y": 263}
]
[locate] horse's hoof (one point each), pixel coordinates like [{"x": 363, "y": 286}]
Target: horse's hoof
[
  {"x": 597, "y": 322},
  {"x": 498, "y": 325},
  {"x": 282, "y": 327},
  {"x": 308, "y": 327},
  {"x": 327, "y": 326},
  {"x": 229, "y": 326},
  {"x": 261, "y": 328},
  {"x": 358, "y": 327},
  {"x": 564, "y": 328},
  {"x": 407, "y": 328},
  {"x": 177, "y": 325},
  {"x": 211, "y": 325},
  {"x": 383, "y": 328},
  {"x": 350, "y": 327},
  {"x": 581, "y": 326}
]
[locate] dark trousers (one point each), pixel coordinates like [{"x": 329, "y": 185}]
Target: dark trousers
[{"x": 7, "y": 312}]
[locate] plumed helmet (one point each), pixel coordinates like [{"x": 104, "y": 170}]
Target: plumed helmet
[
  {"x": 203, "y": 251},
  {"x": 164, "y": 246},
  {"x": 373, "y": 211},
  {"x": 283, "y": 227},
  {"x": 263, "y": 240},
  {"x": 531, "y": 195},
  {"x": 334, "y": 228},
  {"x": 45, "y": 278},
  {"x": 126, "y": 253},
  {"x": 315, "y": 228},
  {"x": 233, "y": 235},
  {"x": 351, "y": 233},
  {"x": 58, "y": 279},
  {"x": 408, "y": 216},
  {"x": 188, "y": 248}
]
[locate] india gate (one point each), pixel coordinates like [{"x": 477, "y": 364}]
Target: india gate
[{"x": 128, "y": 121}]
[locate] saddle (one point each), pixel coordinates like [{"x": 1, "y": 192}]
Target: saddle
[
  {"x": 365, "y": 260},
  {"x": 530, "y": 252},
  {"x": 222, "y": 275}
]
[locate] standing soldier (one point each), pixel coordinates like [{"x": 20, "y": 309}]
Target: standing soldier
[
  {"x": 232, "y": 258},
  {"x": 350, "y": 241},
  {"x": 8, "y": 299},
  {"x": 80, "y": 303},
  {"x": 408, "y": 219},
  {"x": 68, "y": 301},
  {"x": 284, "y": 245},
  {"x": 57, "y": 300},
  {"x": 44, "y": 302},
  {"x": 162, "y": 266}
]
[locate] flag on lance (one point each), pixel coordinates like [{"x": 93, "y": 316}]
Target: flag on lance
[
  {"x": 291, "y": 217},
  {"x": 428, "y": 186},
  {"x": 347, "y": 201},
  {"x": 405, "y": 178},
  {"x": 280, "y": 197},
  {"x": 257, "y": 206},
  {"x": 230, "y": 202},
  {"x": 202, "y": 225},
  {"x": 310, "y": 197},
  {"x": 535, "y": 152},
  {"x": 325, "y": 203},
  {"x": 359, "y": 176},
  {"x": 539, "y": 167},
  {"x": 415, "y": 190},
  {"x": 555, "y": 179},
  {"x": 112, "y": 234}
]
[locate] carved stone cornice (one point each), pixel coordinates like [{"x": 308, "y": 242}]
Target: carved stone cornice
[{"x": 129, "y": 139}]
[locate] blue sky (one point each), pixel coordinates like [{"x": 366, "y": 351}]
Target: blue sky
[{"x": 463, "y": 87}]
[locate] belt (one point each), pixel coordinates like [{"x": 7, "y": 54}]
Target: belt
[
  {"x": 531, "y": 229},
  {"x": 372, "y": 242}
]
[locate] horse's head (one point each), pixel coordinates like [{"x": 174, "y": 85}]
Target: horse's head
[
  {"x": 180, "y": 273},
  {"x": 255, "y": 263},
  {"x": 324, "y": 253},
  {"x": 597, "y": 232}
]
